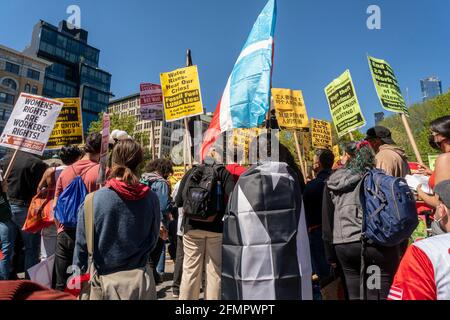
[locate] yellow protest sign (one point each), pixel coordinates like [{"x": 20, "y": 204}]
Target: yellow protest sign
[
  {"x": 336, "y": 153},
  {"x": 321, "y": 134},
  {"x": 290, "y": 108},
  {"x": 181, "y": 93},
  {"x": 178, "y": 173},
  {"x": 68, "y": 129},
  {"x": 242, "y": 138},
  {"x": 344, "y": 105}
]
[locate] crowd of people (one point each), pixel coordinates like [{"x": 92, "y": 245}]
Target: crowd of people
[{"x": 232, "y": 231}]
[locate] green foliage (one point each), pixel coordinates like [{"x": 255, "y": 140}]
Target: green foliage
[
  {"x": 125, "y": 123},
  {"x": 421, "y": 114}
]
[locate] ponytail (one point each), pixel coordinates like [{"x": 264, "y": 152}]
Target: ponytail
[
  {"x": 125, "y": 174},
  {"x": 126, "y": 157}
]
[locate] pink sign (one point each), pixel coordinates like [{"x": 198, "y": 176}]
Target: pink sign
[{"x": 151, "y": 102}]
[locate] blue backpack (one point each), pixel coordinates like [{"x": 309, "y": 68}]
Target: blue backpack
[
  {"x": 390, "y": 214},
  {"x": 70, "y": 200}
]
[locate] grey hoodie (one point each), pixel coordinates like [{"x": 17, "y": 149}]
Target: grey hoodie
[{"x": 341, "y": 211}]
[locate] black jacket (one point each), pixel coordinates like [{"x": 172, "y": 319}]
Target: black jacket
[
  {"x": 312, "y": 198},
  {"x": 25, "y": 176}
]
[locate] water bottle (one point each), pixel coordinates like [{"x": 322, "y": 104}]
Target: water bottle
[{"x": 219, "y": 196}]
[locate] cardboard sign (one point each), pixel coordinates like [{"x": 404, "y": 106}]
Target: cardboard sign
[
  {"x": 344, "y": 105},
  {"x": 151, "y": 102},
  {"x": 181, "y": 94},
  {"x": 31, "y": 123},
  {"x": 386, "y": 85},
  {"x": 321, "y": 134},
  {"x": 290, "y": 109},
  {"x": 68, "y": 129}
]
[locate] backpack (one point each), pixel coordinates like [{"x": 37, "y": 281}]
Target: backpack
[
  {"x": 202, "y": 194},
  {"x": 389, "y": 209},
  {"x": 69, "y": 201}
]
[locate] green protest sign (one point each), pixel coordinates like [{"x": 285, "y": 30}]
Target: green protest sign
[
  {"x": 386, "y": 85},
  {"x": 344, "y": 105}
]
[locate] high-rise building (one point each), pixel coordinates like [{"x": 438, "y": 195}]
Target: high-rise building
[
  {"x": 75, "y": 68},
  {"x": 130, "y": 106},
  {"x": 18, "y": 73},
  {"x": 431, "y": 87},
  {"x": 379, "y": 116}
]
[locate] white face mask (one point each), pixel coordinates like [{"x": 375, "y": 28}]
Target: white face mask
[{"x": 443, "y": 215}]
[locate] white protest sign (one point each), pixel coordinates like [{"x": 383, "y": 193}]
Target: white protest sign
[{"x": 31, "y": 123}]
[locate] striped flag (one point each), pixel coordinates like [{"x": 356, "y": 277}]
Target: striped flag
[
  {"x": 395, "y": 293},
  {"x": 246, "y": 98}
]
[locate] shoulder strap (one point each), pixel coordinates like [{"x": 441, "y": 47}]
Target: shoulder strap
[
  {"x": 87, "y": 170},
  {"x": 89, "y": 222}
]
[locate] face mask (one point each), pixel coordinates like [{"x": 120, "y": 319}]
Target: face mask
[
  {"x": 438, "y": 221},
  {"x": 433, "y": 143}
]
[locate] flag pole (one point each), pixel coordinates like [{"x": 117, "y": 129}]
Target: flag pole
[
  {"x": 411, "y": 138},
  {"x": 300, "y": 158},
  {"x": 186, "y": 147},
  {"x": 351, "y": 136},
  {"x": 152, "y": 141}
]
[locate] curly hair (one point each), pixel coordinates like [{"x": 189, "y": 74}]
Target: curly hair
[
  {"x": 162, "y": 166},
  {"x": 69, "y": 154},
  {"x": 363, "y": 158}
]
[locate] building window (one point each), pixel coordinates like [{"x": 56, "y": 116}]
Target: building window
[
  {"x": 27, "y": 88},
  {"x": 6, "y": 98},
  {"x": 10, "y": 83},
  {"x": 12, "y": 67},
  {"x": 33, "y": 74},
  {"x": 34, "y": 90}
]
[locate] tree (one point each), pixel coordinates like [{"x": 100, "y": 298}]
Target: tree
[
  {"x": 124, "y": 122},
  {"x": 421, "y": 114}
]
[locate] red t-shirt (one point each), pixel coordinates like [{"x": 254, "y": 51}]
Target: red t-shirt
[
  {"x": 414, "y": 279},
  {"x": 87, "y": 169},
  {"x": 235, "y": 170}
]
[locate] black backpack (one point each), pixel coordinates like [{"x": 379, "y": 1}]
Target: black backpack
[{"x": 203, "y": 194}]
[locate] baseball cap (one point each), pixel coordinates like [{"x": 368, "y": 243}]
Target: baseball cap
[
  {"x": 442, "y": 189},
  {"x": 380, "y": 132}
]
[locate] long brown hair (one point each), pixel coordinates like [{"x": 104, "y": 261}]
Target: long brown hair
[{"x": 127, "y": 155}]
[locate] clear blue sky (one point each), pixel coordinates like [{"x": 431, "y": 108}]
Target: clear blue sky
[{"x": 315, "y": 41}]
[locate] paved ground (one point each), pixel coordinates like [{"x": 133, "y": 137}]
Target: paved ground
[{"x": 164, "y": 290}]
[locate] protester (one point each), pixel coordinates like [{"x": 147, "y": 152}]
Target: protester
[
  {"x": 389, "y": 157},
  {"x": 179, "y": 255},
  {"x": 312, "y": 199},
  {"x": 7, "y": 232},
  {"x": 22, "y": 182},
  {"x": 126, "y": 221},
  {"x": 440, "y": 140},
  {"x": 202, "y": 240},
  {"x": 424, "y": 272},
  {"x": 157, "y": 173},
  {"x": 88, "y": 169},
  {"x": 265, "y": 245},
  {"x": 68, "y": 156},
  {"x": 342, "y": 223}
]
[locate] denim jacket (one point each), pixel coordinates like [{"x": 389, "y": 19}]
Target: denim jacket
[{"x": 161, "y": 187}]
